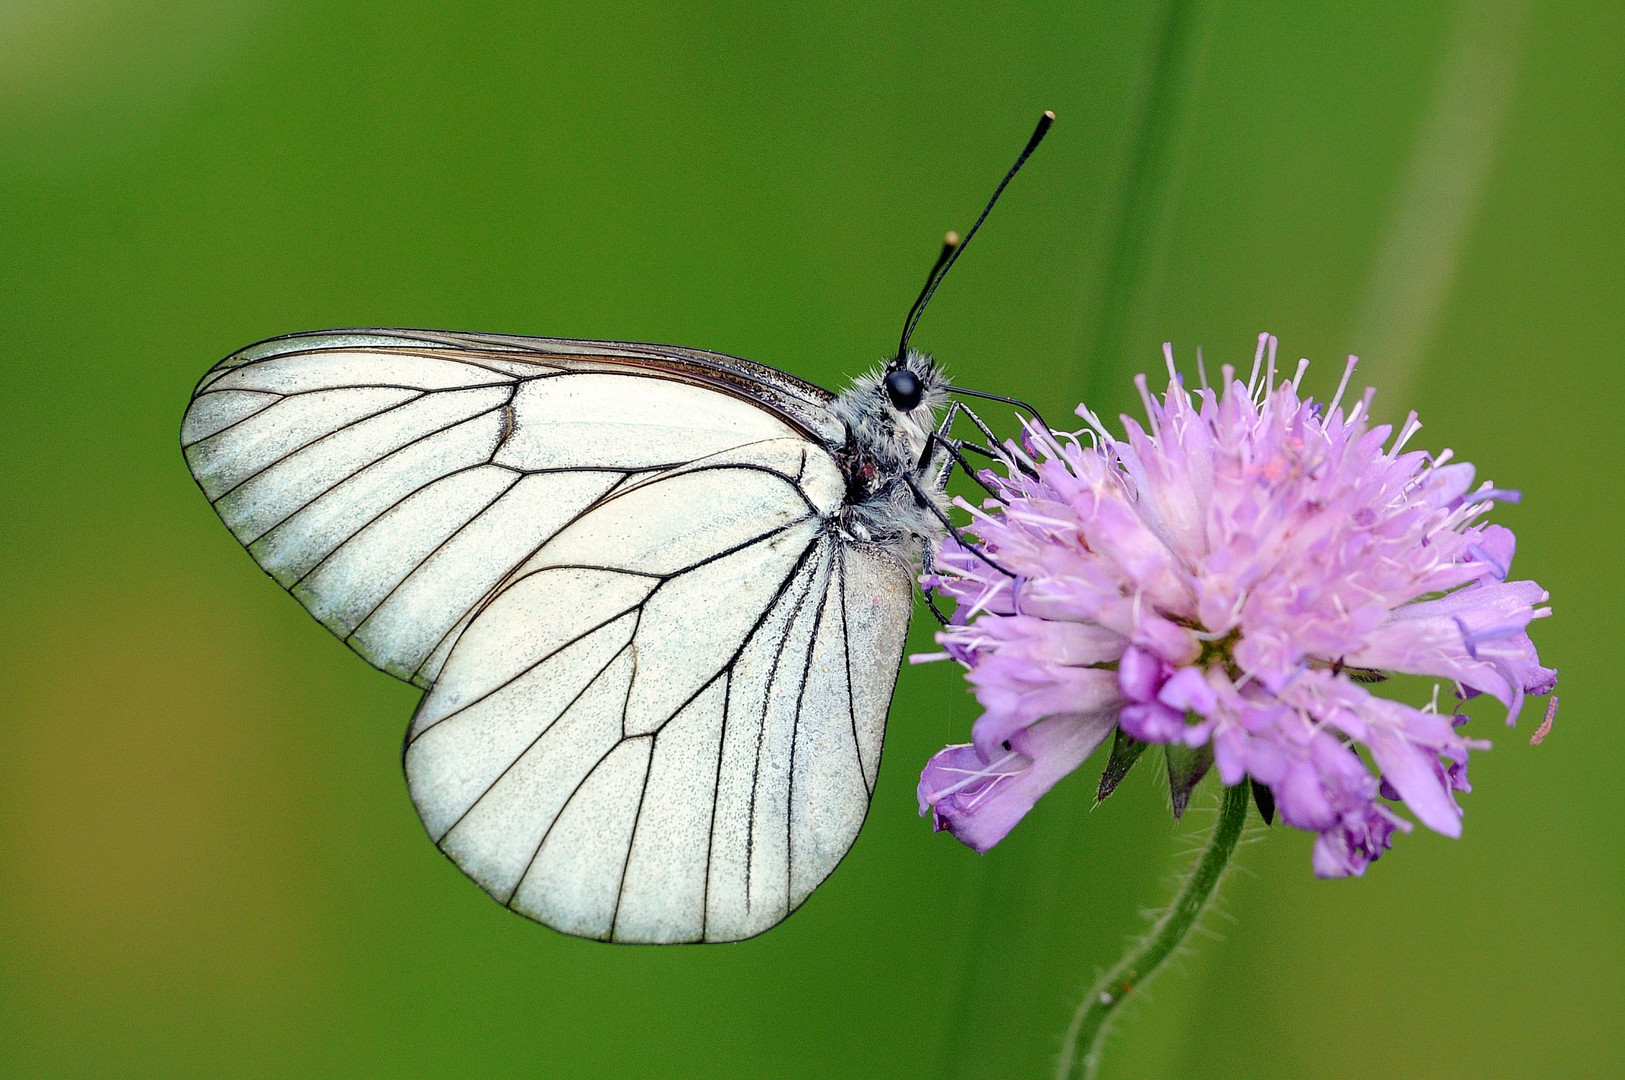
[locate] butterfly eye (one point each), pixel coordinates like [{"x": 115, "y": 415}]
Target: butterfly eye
[{"x": 904, "y": 389}]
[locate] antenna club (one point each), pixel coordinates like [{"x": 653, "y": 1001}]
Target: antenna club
[
  {"x": 1039, "y": 132},
  {"x": 951, "y": 240}
]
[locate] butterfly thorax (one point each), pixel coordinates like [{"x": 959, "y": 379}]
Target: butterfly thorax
[{"x": 883, "y": 452}]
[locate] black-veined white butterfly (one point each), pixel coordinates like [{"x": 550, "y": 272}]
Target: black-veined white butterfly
[{"x": 657, "y": 596}]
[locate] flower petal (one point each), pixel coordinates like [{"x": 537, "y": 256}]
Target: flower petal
[
  {"x": 979, "y": 802},
  {"x": 1415, "y": 773}
]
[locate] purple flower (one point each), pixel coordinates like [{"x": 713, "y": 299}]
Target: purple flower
[{"x": 1227, "y": 578}]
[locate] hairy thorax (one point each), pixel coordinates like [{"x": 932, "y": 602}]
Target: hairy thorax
[{"x": 893, "y": 488}]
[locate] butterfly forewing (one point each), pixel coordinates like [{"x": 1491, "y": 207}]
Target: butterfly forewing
[
  {"x": 389, "y": 482},
  {"x": 658, "y": 673}
]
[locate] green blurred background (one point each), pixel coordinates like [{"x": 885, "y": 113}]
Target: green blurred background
[{"x": 208, "y": 860}]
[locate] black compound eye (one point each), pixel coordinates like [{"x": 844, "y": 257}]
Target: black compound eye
[{"x": 905, "y": 390}]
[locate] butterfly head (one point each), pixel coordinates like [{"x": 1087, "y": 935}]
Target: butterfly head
[
  {"x": 890, "y": 411},
  {"x": 904, "y": 389},
  {"x": 913, "y": 386}
]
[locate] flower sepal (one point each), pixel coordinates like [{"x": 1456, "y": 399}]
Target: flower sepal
[
  {"x": 1126, "y": 751},
  {"x": 1186, "y": 767},
  {"x": 1264, "y": 799}
]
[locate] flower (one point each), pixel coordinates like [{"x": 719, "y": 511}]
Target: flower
[{"x": 1226, "y": 581}]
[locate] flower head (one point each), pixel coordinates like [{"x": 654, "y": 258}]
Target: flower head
[{"x": 1228, "y": 580}]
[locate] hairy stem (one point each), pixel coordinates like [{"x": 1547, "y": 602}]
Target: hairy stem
[{"x": 1095, "y": 1015}]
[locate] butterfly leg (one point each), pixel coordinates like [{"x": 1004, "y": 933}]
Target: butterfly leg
[
  {"x": 1017, "y": 402},
  {"x": 941, "y": 435},
  {"x": 945, "y": 429},
  {"x": 992, "y": 441},
  {"x": 953, "y": 447},
  {"x": 987, "y": 432},
  {"x": 929, "y": 504},
  {"x": 928, "y": 568},
  {"x": 956, "y": 448}
]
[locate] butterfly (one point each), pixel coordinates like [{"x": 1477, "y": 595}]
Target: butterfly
[{"x": 656, "y": 596}]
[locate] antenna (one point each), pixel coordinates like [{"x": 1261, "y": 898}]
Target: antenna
[
  {"x": 949, "y": 243},
  {"x": 953, "y": 246}
]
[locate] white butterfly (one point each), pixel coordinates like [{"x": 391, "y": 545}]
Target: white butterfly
[{"x": 657, "y": 596}]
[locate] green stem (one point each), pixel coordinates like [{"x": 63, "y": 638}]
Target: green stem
[{"x": 1094, "y": 1016}]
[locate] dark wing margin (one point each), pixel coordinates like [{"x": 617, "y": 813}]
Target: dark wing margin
[{"x": 799, "y": 402}]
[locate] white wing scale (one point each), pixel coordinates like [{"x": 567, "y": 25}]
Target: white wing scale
[{"x": 659, "y": 675}]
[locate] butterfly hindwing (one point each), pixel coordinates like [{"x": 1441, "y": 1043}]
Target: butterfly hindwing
[{"x": 651, "y": 733}]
